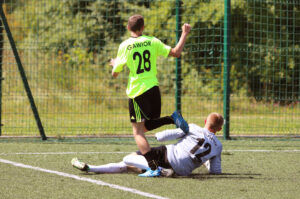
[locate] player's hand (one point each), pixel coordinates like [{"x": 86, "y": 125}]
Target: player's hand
[
  {"x": 186, "y": 28},
  {"x": 112, "y": 62}
]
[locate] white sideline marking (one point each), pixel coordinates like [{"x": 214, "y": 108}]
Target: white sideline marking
[
  {"x": 98, "y": 182},
  {"x": 63, "y": 153},
  {"x": 67, "y": 153}
]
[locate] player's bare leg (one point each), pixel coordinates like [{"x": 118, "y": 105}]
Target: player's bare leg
[
  {"x": 144, "y": 147},
  {"x": 139, "y": 136},
  {"x": 134, "y": 169}
]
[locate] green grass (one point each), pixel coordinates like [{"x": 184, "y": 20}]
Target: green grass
[
  {"x": 79, "y": 117},
  {"x": 245, "y": 174}
]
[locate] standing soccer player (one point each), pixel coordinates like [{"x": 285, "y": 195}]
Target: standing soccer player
[{"x": 140, "y": 53}]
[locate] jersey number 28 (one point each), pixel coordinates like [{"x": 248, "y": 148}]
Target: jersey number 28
[{"x": 146, "y": 58}]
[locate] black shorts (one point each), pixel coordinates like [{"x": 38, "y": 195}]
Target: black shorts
[
  {"x": 161, "y": 156},
  {"x": 146, "y": 106}
]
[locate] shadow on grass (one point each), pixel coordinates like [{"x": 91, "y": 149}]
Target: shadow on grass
[
  {"x": 207, "y": 176},
  {"x": 200, "y": 176}
]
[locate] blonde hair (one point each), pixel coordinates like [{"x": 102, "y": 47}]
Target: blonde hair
[{"x": 215, "y": 121}]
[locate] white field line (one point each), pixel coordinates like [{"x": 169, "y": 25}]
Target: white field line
[
  {"x": 99, "y": 152},
  {"x": 98, "y": 182},
  {"x": 64, "y": 153}
]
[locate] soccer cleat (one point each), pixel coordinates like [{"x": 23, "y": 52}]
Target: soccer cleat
[
  {"x": 151, "y": 173},
  {"x": 166, "y": 172},
  {"x": 79, "y": 165},
  {"x": 180, "y": 122}
]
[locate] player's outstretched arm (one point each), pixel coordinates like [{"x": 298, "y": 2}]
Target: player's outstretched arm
[
  {"x": 176, "y": 52},
  {"x": 170, "y": 134},
  {"x": 112, "y": 63}
]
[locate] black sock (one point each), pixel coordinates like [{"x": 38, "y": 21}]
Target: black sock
[
  {"x": 156, "y": 123},
  {"x": 152, "y": 162}
]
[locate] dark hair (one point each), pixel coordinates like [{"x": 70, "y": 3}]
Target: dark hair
[{"x": 135, "y": 23}]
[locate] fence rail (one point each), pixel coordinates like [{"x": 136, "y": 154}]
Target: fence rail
[{"x": 65, "y": 46}]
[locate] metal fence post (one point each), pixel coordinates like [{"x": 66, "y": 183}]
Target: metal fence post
[
  {"x": 178, "y": 60},
  {"x": 226, "y": 72},
  {"x": 22, "y": 73},
  {"x": 1, "y": 78}
]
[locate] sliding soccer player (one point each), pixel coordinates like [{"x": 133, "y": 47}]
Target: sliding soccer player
[{"x": 200, "y": 146}]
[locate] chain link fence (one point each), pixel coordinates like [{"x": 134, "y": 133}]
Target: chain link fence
[{"x": 65, "y": 47}]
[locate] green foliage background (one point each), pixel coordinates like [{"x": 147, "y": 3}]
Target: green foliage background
[{"x": 66, "y": 45}]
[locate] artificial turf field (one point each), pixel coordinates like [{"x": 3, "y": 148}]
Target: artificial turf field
[{"x": 252, "y": 168}]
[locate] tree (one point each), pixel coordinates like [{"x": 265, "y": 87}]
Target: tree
[{"x": 264, "y": 41}]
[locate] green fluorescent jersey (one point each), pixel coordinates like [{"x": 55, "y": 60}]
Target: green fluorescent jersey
[{"x": 140, "y": 54}]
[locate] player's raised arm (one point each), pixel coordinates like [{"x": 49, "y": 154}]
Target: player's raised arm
[{"x": 176, "y": 52}]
